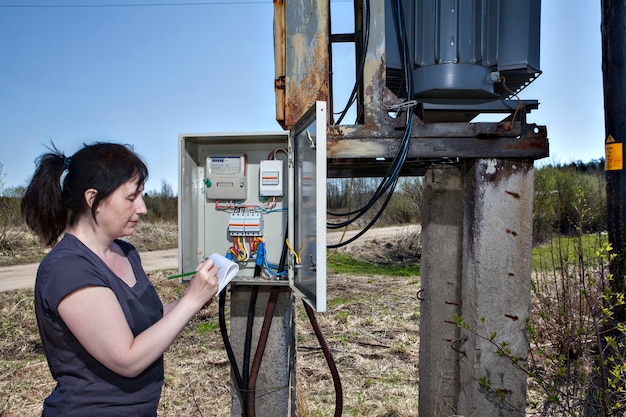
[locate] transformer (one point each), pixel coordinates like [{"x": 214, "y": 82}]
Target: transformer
[{"x": 464, "y": 53}]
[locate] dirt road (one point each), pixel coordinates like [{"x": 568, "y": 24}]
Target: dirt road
[{"x": 23, "y": 276}]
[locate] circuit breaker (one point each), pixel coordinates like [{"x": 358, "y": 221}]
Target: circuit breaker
[
  {"x": 258, "y": 199},
  {"x": 271, "y": 178}
]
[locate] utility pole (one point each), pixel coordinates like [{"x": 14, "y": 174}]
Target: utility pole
[{"x": 613, "y": 72}]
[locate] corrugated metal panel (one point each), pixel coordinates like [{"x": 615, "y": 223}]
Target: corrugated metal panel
[{"x": 458, "y": 43}]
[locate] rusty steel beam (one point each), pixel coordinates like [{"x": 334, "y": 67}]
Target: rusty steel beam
[
  {"x": 449, "y": 140},
  {"x": 531, "y": 145},
  {"x": 302, "y": 57},
  {"x": 443, "y": 130},
  {"x": 371, "y": 157}
]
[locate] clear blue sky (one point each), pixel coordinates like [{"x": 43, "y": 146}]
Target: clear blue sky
[{"x": 142, "y": 75}]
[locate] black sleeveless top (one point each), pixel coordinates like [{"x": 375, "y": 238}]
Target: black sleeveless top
[{"x": 85, "y": 387}]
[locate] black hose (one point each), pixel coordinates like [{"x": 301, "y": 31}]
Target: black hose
[
  {"x": 260, "y": 349},
  {"x": 329, "y": 359}
]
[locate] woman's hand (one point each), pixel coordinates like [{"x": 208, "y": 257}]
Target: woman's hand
[{"x": 203, "y": 285}]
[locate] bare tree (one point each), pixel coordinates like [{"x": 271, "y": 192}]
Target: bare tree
[{"x": 166, "y": 189}]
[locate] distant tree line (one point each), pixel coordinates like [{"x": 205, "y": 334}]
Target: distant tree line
[
  {"x": 345, "y": 195},
  {"x": 162, "y": 205},
  {"x": 567, "y": 196}
]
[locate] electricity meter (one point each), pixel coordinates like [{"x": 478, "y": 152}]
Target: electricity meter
[{"x": 226, "y": 177}]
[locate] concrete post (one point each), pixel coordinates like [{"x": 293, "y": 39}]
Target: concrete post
[
  {"x": 497, "y": 243},
  {"x": 442, "y": 238},
  {"x": 276, "y": 383}
]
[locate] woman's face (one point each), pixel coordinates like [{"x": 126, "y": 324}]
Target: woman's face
[{"x": 119, "y": 213}]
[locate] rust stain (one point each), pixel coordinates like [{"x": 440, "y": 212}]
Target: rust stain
[
  {"x": 310, "y": 81},
  {"x": 302, "y": 66},
  {"x": 511, "y": 232},
  {"x": 280, "y": 36}
]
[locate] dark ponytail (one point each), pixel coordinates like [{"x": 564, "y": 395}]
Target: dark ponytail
[
  {"x": 49, "y": 208},
  {"x": 42, "y": 203}
]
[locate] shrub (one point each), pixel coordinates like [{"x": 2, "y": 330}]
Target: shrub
[{"x": 558, "y": 190}]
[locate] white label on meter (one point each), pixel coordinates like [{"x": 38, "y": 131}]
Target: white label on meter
[
  {"x": 225, "y": 165},
  {"x": 226, "y": 177}
]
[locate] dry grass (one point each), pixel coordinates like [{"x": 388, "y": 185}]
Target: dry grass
[
  {"x": 373, "y": 335},
  {"x": 18, "y": 245}
]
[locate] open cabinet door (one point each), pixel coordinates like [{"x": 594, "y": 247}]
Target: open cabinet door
[{"x": 307, "y": 206}]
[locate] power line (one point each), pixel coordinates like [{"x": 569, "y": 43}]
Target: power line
[{"x": 91, "y": 6}]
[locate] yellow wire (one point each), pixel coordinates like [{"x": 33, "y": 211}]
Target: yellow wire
[
  {"x": 295, "y": 254},
  {"x": 519, "y": 102},
  {"x": 243, "y": 254}
]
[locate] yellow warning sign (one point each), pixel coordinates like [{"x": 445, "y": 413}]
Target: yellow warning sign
[
  {"x": 609, "y": 139},
  {"x": 614, "y": 155}
]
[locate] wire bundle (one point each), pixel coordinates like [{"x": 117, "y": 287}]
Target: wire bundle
[{"x": 390, "y": 179}]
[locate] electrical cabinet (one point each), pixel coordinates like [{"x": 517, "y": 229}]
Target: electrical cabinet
[{"x": 260, "y": 200}]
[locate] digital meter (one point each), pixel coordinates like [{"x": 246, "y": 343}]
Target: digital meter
[{"x": 226, "y": 177}]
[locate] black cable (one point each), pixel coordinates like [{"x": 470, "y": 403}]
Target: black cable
[
  {"x": 247, "y": 347},
  {"x": 390, "y": 179},
  {"x": 366, "y": 228},
  {"x": 361, "y": 67},
  {"x": 403, "y": 46},
  {"x": 272, "y": 301},
  {"x": 394, "y": 167},
  {"x": 284, "y": 252},
  {"x": 329, "y": 359},
  {"x": 229, "y": 351}
]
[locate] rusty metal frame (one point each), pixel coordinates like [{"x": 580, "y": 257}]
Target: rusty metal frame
[
  {"x": 303, "y": 38},
  {"x": 302, "y": 57}
]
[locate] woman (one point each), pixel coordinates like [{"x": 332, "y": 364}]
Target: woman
[{"x": 102, "y": 325}]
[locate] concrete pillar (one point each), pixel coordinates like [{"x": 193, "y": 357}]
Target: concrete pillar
[
  {"x": 497, "y": 242},
  {"x": 276, "y": 382},
  {"x": 442, "y": 234}
]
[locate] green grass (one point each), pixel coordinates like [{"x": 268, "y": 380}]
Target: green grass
[
  {"x": 569, "y": 250},
  {"x": 207, "y": 327},
  {"x": 339, "y": 263}
]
